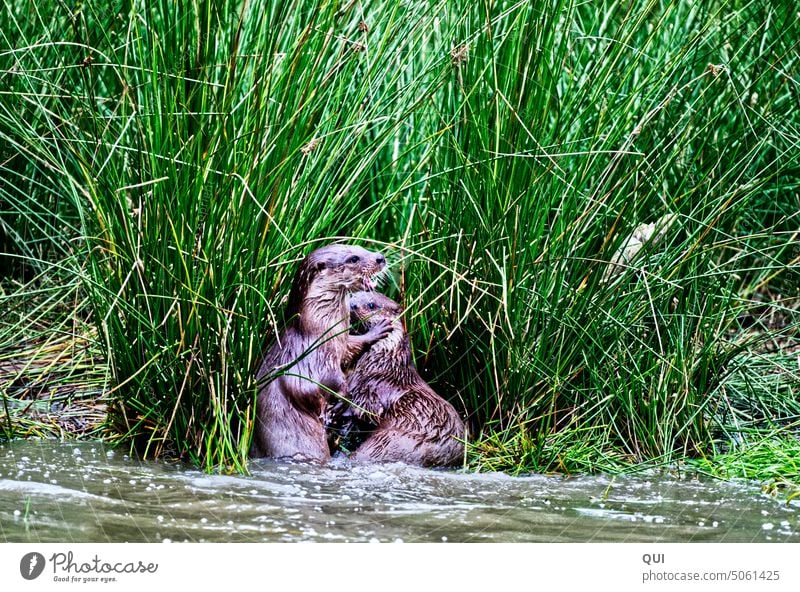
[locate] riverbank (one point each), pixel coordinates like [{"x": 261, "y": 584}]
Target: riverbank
[
  {"x": 55, "y": 385},
  {"x": 54, "y": 379}
]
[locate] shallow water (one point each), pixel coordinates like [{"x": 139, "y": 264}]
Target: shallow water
[{"x": 53, "y": 492}]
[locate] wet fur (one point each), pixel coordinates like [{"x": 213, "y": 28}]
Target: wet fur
[
  {"x": 414, "y": 425},
  {"x": 308, "y": 357}
]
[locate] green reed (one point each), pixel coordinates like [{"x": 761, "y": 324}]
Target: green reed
[{"x": 187, "y": 155}]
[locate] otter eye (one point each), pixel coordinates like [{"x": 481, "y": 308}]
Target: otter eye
[
  {"x": 354, "y": 259},
  {"x": 371, "y": 306}
]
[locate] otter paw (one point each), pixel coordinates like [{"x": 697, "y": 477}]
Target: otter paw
[{"x": 381, "y": 329}]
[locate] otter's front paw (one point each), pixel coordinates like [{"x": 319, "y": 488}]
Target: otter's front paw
[{"x": 381, "y": 329}]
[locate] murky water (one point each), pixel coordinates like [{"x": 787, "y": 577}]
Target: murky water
[{"x": 51, "y": 492}]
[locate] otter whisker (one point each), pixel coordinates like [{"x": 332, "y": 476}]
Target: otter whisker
[{"x": 380, "y": 279}]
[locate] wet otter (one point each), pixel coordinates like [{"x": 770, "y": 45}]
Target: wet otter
[
  {"x": 305, "y": 364},
  {"x": 414, "y": 424}
]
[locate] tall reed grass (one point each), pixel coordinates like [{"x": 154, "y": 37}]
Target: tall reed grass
[{"x": 187, "y": 154}]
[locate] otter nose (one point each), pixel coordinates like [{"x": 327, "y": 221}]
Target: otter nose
[{"x": 381, "y": 259}]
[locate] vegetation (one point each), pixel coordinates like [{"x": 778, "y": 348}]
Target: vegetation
[
  {"x": 172, "y": 161},
  {"x": 52, "y": 375}
]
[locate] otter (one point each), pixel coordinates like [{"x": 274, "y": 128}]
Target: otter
[
  {"x": 305, "y": 364},
  {"x": 414, "y": 424}
]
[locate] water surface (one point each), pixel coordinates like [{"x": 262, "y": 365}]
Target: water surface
[{"x": 85, "y": 492}]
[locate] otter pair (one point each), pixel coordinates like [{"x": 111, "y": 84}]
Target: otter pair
[{"x": 308, "y": 362}]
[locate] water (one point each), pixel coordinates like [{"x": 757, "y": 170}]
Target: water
[{"x": 53, "y": 492}]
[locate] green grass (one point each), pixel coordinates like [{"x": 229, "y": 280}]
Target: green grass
[
  {"x": 179, "y": 158},
  {"x": 772, "y": 460}
]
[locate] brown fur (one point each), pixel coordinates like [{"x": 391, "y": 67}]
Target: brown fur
[
  {"x": 306, "y": 362},
  {"x": 414, "y": 424}
]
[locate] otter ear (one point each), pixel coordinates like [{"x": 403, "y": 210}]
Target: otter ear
[{"x": 321, "y": 265}]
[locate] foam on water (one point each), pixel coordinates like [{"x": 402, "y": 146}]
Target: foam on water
[{"x": 83, "y": 492}]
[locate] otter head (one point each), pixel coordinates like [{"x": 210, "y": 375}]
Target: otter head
[
  {"x": 331, "y": 271},
  {"x": 367, "y": 308}
]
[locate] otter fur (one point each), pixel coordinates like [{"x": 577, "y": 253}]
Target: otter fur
[
  {"x": 305, "y": 364},
  {"x": 414, "y": 425}
]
